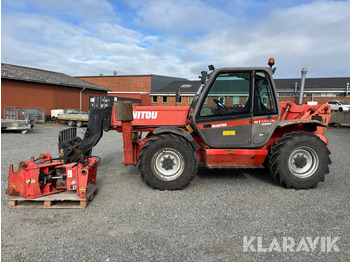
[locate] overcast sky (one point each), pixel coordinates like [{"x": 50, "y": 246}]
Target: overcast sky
[{"x": 176, "y": 37}]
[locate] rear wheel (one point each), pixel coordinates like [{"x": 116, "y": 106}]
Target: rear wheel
[
  {"x": 299, "y": 160},
  {"x": 71, "y": 123},
  {"x": 168, "y": 162}
]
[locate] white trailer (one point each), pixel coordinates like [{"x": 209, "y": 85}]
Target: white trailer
[{"x": 74, "y": 119}]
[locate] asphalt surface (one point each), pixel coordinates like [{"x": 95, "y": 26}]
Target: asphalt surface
[{"x": 224, "y": 215}]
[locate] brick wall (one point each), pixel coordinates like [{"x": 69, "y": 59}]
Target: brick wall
[
  {"x": 144, "y": 98},
  {"x": 319, "y": 100},
  {"x": 121, "y": 83},
  {"x": 171, "y": 101},
  {"x": 29, "y": 95},
  {"x": 185, "y": 100}
]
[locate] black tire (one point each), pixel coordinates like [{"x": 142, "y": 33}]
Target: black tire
[
  {"x": 299, "y": 160},
  {"x": 71, "y": 123},
  {"x": 168, "y": 162},
  {"x": 340, "y": 109}
]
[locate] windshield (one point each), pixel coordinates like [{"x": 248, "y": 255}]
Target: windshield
[
  {"x": 198, "y": 91},
  {"x": 194, "y": 102},
  {"x": 343, "y": 103}
]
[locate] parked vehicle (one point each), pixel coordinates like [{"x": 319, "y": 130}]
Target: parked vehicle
[
  {"x": 234, "y": 121},
  {"x": 72, "y": 119},
  {"x": 339, "y": 105}
]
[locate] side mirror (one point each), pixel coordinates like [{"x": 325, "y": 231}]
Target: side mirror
[{"x": 203, "y": 77}]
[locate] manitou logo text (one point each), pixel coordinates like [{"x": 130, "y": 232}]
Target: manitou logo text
[
  {"x": 145, "y": 114},
  {"x": 288, "y": 244}
]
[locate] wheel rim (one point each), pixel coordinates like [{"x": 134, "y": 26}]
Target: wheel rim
[
  {"x": 168, "y": 164},
  {"x": 303, "y": 162}
]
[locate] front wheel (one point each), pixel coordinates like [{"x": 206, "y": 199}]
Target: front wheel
[
  {"x": 168, "y": 162},
  {"x": 299, "y": 160}
]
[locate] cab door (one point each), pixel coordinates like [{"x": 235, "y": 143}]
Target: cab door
[
  {"x": 265, "y": 109},
  {"x": 238, "y": 109},
  {"x": 223, "y": 117}
]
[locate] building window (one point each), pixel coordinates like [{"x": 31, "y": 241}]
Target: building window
[
  {"x": 180, "y": 99},
  {"x": 165, "y": 99},
  {"x": 235, "y": 100},
  {"x": 339, "y": 95},
  {"x": 287, "y": 95},
  {"x": 154, "y": 99}
]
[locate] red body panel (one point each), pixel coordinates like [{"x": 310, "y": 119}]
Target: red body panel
[
  {"x": 292, "y": 112},
  {"x": 147, "y": 119},
  {"x": 154, "y": 117},
  {"x": 237, "y": 158}
]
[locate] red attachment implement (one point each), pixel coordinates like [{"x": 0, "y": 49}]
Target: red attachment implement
[{"x": 46, "y": 176}]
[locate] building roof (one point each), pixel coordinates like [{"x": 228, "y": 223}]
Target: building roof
[
  {"x": 331, "y": 85},
  {"x": 28, "y": 74},
  {"x": 173, "y": 87},
  {"x": 141, "y": 75},
  {"x": 111, "y": 81}
]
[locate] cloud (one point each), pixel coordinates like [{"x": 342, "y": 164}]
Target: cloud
[
  {"x": 179, "y": 17},
  {"x": 312, "y": 35},
  {"x": 176, "y": 38}
]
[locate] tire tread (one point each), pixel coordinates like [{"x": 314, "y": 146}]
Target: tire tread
[
  {"x": 153, "y": 142},
  {"x": 278, "y": 170}
]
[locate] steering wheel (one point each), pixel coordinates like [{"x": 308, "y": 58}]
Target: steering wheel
[{"x": 219, "y": 104}]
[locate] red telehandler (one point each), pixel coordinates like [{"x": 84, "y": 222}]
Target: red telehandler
[{"x": 234, "y": 121}]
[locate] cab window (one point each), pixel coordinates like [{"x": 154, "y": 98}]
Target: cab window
[
  {"x": 264, "y": 98},
  {"x": 229, "y": 94}
]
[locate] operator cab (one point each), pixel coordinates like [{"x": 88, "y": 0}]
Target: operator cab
[{"x": 236, "y": 108}]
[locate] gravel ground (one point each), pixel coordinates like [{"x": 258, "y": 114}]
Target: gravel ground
[{"x": 208, "y": 221}]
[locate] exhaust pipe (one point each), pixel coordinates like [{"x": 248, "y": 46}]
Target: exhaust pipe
[{"x": 303, "y": 76}]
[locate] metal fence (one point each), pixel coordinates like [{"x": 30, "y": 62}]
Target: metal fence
[{"x": 37, "y": 114}]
